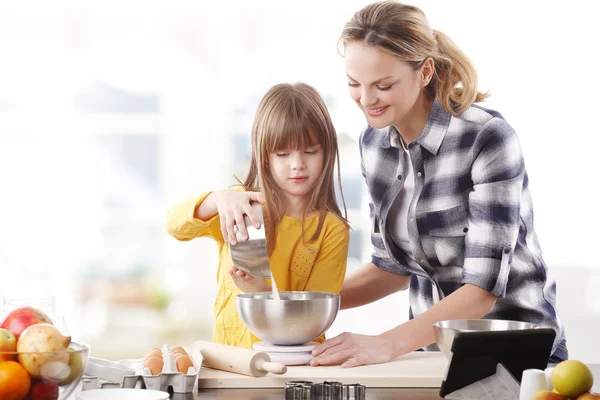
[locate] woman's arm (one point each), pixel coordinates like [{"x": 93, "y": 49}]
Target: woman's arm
[
  {"x": 370, "y": 283},
  {"x": 468, "y": 302},
  {"x": 349, "y": 349}
]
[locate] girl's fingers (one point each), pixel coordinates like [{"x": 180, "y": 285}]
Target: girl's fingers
[
  {"x": 250, "y": 213},
  {"x": 241, "y": 224}
]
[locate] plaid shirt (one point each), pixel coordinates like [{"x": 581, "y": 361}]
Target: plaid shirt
[{"x": 470, "y": 219}]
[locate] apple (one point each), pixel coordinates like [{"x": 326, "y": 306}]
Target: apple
[
  {"x": 572, "y": 378},
  {"x": 21, "y": 318},
  {"x": 42, "y": 389},
  {"x": 589, "y": 396},
  {"x": 8, "y": 344},
  {"x": 548, "y": 395},
  {"x": 75, "y": 367}
]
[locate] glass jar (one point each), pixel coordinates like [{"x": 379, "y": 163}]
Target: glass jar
[{"x": 45, "y": 304}]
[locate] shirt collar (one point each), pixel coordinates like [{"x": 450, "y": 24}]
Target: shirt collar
[{"x": 432, "y": 136}]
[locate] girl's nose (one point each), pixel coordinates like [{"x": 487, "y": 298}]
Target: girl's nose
[{"x": 298, "y": 161}]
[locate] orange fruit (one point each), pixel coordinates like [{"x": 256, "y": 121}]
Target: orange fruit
[{"x": 14, "y": 381}]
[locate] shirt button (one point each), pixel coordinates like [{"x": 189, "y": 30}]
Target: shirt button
[
  {"x": 411, "y": 219},
  {"x": 418, "y": 174},
  {"x": 381, "y": 220},
  {"x": 422, "y": 261},
  {"x": 399, "y": 177}
]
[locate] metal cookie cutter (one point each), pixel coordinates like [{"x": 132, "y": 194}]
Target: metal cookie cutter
[
  {"x": 328, "y": 390},
  {"x": 354, "y": 391},
  {"x": 298, "y": 390}
]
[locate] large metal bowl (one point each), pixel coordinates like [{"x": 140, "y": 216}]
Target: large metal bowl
[
  {"x": 446, "y": 330},
  {"x": 297, "y": 318}
]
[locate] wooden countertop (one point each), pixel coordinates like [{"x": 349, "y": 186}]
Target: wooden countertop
[{"x": 418, "y": 369}]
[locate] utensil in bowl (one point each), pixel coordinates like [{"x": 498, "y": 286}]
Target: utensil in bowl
[
  {"x": 251, "y": 255},
  {"x": 446, "y": 330},
  {"x": 56, "y": 374},
  {"x": 296, "y": 319}
]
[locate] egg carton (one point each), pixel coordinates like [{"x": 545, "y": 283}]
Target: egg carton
[{"x": 100, "y": 374}]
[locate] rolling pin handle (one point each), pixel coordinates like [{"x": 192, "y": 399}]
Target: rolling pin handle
[{"x": 271, "y": 366}]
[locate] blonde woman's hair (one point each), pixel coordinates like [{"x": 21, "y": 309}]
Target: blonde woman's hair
[
  {"x": 292, "y": 117},
  {"x": 404, "y": 32}
]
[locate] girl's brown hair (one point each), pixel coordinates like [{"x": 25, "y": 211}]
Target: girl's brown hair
[
  {"x": 293, "y": 117},
  {"x": 404, "y": 32}
]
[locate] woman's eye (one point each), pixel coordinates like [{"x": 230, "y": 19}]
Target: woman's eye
[
  {"x": 384, "y": 88},
  {"x": 352, "y": 84}
]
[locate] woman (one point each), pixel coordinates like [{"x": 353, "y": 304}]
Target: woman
[{"x": 450, "y": 206}]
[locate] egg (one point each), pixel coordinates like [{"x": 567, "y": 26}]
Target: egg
[
  {"x": 183, "y": 362},
  {"x": 155, "y": 363}
]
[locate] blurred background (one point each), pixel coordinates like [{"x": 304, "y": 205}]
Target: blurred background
[{"x": 113, "y": 111}]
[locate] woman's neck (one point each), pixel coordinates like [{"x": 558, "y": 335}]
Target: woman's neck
[{"x": 411, "y": 126}]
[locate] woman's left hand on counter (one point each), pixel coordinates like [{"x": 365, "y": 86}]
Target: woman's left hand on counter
[{"x": 351, "y": 350}]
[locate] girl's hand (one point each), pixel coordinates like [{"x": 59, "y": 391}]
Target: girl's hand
[
  {"x": 351, "y": 350},
  {"x": 231, "y": 207},
  {"x": 246, "y": 282}
]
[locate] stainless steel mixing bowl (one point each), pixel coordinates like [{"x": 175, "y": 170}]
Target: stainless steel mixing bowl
[
  {"x": 446, "y": 330},
  {"x": 297, "y": 318}
]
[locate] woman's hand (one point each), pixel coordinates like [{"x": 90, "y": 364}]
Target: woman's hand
[
  {"x": 351, "y": 350},
  {"x": 231, "y": 206},
  {"x": 246, "y": 282}
]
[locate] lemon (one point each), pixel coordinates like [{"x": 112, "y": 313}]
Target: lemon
[{"x": 571, "y": 378}]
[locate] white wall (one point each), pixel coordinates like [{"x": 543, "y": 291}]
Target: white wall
[{"x": 205, "y": 59}]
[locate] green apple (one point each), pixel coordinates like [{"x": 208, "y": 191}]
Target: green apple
[
  {"x": 75, "y": 365},
  {"x": 8, "y": 344}
]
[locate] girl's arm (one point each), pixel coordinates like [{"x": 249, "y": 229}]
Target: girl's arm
[
  {"x": 370, "y": 283},
  {"x": 214, "y": 214}
]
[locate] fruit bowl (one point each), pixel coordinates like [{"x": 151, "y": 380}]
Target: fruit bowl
[{"x": 42, "y": 375}]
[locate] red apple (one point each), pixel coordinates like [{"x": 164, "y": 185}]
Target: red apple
[
  {"x": 589, "y": 396},
  {"x": 8, "y": 343},
  {"x": 21, "y": 318},
  {"x": 43, "y": 390}
]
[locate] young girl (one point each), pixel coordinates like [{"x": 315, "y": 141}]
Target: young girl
[{"x": 294, "y": 151}]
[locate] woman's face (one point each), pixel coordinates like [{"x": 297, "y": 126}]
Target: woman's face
[{"x": 384, "y": 87}]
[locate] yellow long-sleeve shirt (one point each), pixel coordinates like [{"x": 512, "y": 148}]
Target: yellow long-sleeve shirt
[{"x": 318, "y": 266}]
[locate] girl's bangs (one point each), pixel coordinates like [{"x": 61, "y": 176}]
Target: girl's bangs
[{"x": 292, "y": 132}]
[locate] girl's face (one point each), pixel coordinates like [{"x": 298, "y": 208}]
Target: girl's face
[
  {"x": 296, "y": 172},
  {"x": 384, "y": 87}
]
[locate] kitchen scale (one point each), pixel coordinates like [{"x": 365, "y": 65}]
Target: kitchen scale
[
  {"x": 288, "y": 355},
  {"x": 483, "y": 362}
]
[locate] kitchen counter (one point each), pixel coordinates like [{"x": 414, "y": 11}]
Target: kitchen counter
[{"x": 373, "y": 393}]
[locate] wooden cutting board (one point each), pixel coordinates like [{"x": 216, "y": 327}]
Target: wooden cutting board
[{"x": 417, "y": 369}]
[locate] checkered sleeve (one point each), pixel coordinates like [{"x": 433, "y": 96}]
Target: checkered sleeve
[{"x": 498, "y": 175}]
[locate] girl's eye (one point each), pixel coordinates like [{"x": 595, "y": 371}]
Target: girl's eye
[
  {"x": 352, "y": 84},
  {"x": 384, "y": 89},
  {"x": 282, "y": 154},
  {"x": 311, "y": 151}
]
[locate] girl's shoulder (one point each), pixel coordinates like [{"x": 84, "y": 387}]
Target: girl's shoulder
[{"x": 334, "y": 222}]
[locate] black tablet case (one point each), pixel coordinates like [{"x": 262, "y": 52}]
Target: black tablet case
[{"x": 476, "y": 354}]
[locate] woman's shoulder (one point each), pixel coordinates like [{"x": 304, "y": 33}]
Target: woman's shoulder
[{"x": 482, "y": 120}]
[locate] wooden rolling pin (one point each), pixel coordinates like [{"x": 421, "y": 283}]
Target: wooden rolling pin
[{"x": 237, "y": 359}]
